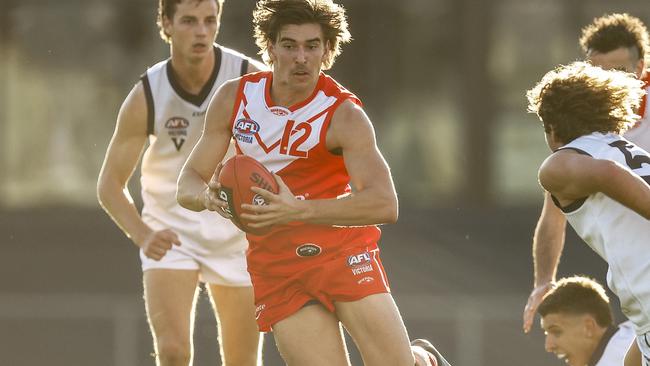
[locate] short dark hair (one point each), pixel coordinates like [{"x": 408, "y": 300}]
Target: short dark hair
[
  {"x": 167, "y": 9},
  {"x": 578, "y": 295},
  {"x": 613, "y": 31},
  {"x": 579, "y": 99},
  {"x": 270, "y": 16}
]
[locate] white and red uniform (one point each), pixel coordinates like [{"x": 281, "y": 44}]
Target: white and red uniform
[
  {"x": 299, "y": 262},
  {"x": 640, "y": 133}
]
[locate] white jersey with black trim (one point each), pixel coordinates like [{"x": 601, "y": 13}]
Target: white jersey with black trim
[
  {"x": 175, "y": 123},
  {"x": 614, "y": 345},
  {"x": 618, "y": 234}
]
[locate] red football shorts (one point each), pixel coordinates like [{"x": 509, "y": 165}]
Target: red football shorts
[{"x": 350, "y": 276}]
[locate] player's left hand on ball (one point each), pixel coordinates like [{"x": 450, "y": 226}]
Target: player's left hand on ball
[
  {"x": 210, "y": 197},
  {"x": 279, "y": 209}
]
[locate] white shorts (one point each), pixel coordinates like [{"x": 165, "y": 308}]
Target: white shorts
[
  {"x": 217, "y": 263},
  {"x": 644, "y": 345}
]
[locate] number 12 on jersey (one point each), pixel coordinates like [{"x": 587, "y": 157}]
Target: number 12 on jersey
[{"x": 288, "y": 147}]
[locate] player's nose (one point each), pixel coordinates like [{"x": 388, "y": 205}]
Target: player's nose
[
  {"x": 549, "y": 344},
  {"x": 301, "y": 56}
]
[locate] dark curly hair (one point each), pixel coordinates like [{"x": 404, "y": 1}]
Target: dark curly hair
[
  {"x": 578, "y": 295},
  {"x": 578, "y": 99},
  {"x": 614, "y": 31},
  {"x": 270, "y": 16}
]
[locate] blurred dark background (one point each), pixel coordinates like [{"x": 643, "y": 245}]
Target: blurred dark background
[{"x": 443, "y": 82}]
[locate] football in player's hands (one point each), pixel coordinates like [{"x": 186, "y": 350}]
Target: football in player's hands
[{"x": 237, "y": 176}]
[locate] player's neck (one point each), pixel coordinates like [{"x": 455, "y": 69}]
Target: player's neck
[
  {"x": 192, "y": 74},
  {"x": 285, "y": 94}
]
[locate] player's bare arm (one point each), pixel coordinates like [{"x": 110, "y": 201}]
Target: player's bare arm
[
  {"x": 373, "y": 200},
  {"x": 198, "y": 188},
  {"x": 121, "y": 159},
  {"x": 548, "y": 243},
  {"x": 570, "y": 176}
]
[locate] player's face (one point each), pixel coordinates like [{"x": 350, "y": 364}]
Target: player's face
[
  {"x": 194, "y": 27},
  {"x": 298, "y": 54},
  {"x": 569, "y": 337},
  {"x": 622, "y": 59}
]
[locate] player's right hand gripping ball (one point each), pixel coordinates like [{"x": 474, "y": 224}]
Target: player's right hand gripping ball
[{"x": 237, "y": 176}]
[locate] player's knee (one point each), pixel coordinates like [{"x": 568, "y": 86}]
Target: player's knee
[{"x": 173, "y": 352}]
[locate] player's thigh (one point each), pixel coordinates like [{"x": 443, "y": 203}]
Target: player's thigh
[
  {"x": 311, "y": 336},
  {"x": 235, "y": 310},
  {"x": 375, "y": 325},
  {"x": 170, "y": 296}
]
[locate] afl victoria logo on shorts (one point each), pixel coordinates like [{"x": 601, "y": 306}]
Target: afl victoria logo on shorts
[
  {"x": 308, "y": 250},
  {"x": 360, "y": 263}
]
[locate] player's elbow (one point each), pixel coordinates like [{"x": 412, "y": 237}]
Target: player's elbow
[
  {"x": 389, "y": 211},
  {"x": 103, "y": 190}
]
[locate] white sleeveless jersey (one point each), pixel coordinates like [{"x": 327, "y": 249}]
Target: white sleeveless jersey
[
  {"x": 614, "y": 345},
  {"x": 618, "y": 234},
  {"x": 174, "y": 124},
  {"x": 640, "y": 133}
]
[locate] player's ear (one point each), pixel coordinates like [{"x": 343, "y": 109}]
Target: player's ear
[
  {"x": 270, "y": 50},
  {"x": 167, "y": 25},
  {"x": 590, "y": 326}
]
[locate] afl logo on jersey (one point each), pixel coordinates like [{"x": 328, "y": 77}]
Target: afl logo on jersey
[
  {"x": 280, "y": 111},
  {"x": 175, "y": 123},
  {"x": 308, "y": 250},
  {"x": 177, "y": 130},
  {"x": 245, "y": 126}
]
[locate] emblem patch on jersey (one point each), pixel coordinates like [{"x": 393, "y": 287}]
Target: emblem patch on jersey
[
  {"x": 177, "y": 130},
  {"x": 245, "y": 129},
  {"x": 365, "y": 280},
  {"x": 308, "y": 250},
  {"x": 360, "y": 263},
  {"x": 280, "y": 111}
]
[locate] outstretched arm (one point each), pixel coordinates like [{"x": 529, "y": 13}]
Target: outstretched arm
[
  {"x": 548, "y": 243},
  {"x": 373, "y": 201}
]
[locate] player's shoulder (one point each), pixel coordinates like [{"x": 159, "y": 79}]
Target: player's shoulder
[{"x": 253, "y": 64}]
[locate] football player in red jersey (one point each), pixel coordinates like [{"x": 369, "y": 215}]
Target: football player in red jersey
[
  {"x": 178, "y": 248},
  {"x": 319, "y": 266},
  {"x": 614, "y": 41}
]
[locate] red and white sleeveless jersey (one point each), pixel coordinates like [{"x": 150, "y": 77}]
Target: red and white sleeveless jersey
[
  {"x": 291, "y": 143},
  {"x": 639, "y": 134}
]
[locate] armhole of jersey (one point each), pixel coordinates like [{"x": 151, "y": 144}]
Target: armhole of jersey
[
  {"x": 149, "y": 98},
  {"x": 328, "y": 121},
  {"x": 238, "y": 99},
  {"x": 244, "y": 67},
  {"x": 579, "y": 151},
  {"x": 573, "y": 206}
]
